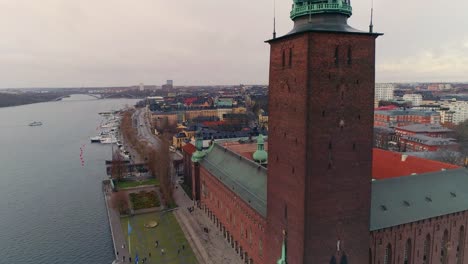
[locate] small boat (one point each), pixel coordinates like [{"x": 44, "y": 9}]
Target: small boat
[
  {"x": 35, "y": 123},
  {"x": 108, "y": 140},
  {"x": 96, "y": 139}
]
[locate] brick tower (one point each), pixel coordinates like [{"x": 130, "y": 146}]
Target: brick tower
[{"x": 322, "y": 77}]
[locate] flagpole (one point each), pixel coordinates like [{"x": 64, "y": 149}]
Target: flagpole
[{"x": 128, "y": 232}]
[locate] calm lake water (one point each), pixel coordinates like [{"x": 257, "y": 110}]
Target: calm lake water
[{"x": 51, "y": 206}]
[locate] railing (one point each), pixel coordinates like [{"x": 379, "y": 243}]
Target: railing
[{"x": 301, "y": 10}]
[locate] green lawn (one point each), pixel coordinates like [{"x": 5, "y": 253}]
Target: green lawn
[
  {"x": 144, "y": 200},
  {"x": 168, "y": 233},
  {"x": 130, "y": 184}
]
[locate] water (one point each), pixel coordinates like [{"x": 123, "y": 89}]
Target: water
[{"x": 51, "y": 207}]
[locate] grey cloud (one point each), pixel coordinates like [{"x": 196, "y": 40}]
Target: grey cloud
[{"x": 123, "y": 42}]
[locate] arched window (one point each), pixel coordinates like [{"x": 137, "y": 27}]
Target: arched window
[
  {"x": 333, "y": 260},
  {"x": 427, "y": 248},
  {"x": 388, "y": 255},
  {"x": 443, "y": 248},
  {"x": 461, "y": 245},
  {"x": 407, "y": 255},
  {"x": 344, "y": 259}
]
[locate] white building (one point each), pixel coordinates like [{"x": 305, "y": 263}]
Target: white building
[
  {"x": 142, "y": 87},
  {"x": 384, "y": 91},
  {"x": 460, "y": 110},
  {"x": 415, "y": 99}
]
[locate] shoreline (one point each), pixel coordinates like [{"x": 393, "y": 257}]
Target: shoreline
[{"x": 114, "y": 224}]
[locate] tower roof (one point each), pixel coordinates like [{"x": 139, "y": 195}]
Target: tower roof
[
  {"x": 314, "y": 7},
  {"x": 322, "y": 16}
]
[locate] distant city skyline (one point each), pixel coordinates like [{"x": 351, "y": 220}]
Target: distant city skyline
[{"x": 54, "y": 43}]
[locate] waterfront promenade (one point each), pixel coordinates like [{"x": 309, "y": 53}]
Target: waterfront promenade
[{"x": 118, "y": 237}]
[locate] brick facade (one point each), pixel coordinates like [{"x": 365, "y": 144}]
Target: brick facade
[
  {"x": 405, "y": 244},
  {"x": 321, "y": 127},
  {"x": 240, "y": 224}
]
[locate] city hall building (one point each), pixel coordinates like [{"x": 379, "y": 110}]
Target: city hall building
[{"x": 322, "y": 194}]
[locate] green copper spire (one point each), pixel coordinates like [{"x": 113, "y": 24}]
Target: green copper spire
[
  {"x": 283, "y": 259},
  {"x": 198, "y": 155},
  {"x": 313, "y": 7},
  {"x": 260, "y": 156}
]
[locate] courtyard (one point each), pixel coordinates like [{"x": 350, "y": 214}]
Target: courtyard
[{"x": 170, "y": 239}]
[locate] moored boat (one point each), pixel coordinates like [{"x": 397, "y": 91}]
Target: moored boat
[{"x": 35, "y": 123}]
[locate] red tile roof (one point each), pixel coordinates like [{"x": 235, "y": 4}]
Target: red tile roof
[
  {"x": 189, "y": 148},
  {"x": 213, "y": 123},
  {"x": 387, "y": 164},
  {"x": 388, "y": 107}
]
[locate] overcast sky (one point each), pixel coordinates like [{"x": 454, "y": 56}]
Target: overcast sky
[{"x": 74, "y": 43}]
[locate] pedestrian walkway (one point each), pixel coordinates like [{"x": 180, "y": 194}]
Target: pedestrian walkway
[
  {"x": 209, "y": 247},
  {"x": 117, "y": 234}
]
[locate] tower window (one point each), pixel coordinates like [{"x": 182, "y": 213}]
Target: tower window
[
  {"x": 290, "y": 57},
  {"x": 350, "y": 55},
  {"x": 285, "y": 212},
  {"x": 284, "y": 58},
  {"x": 337, "y": 52}
]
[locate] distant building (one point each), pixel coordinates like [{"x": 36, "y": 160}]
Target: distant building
[
  {"x": 459, "y": 109},
  {"x": 397, "y": 118},
  {"x": 415, "y": 99},
  {"x": 142, "y": 87},
  {"x": 384, "y": 91},
  {"x": 384, "y": 138},
  {"x": 169, "y": 85},
  {"x": 263, "y": 119},
  {"x": 416, "y": 143},
  {"x": 224, "y": 102},
  {"x": 430, "y": 130},
  {"x": 446, "y": 116}
]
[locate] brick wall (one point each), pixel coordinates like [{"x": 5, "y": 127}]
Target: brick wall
[
  {"x": 241, "y": 225},
  {"x": 397, "y": 239}
]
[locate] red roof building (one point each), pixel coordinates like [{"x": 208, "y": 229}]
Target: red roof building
[
  {"x": 387, "y": 164},
  {"x": 189, "y": 149}
]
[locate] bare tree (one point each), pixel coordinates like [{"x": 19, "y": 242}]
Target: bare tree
[
  {"x": 118, "y": 167},
  {"x": 119, "y": 201},
  {"x": 449, "y": 156}
]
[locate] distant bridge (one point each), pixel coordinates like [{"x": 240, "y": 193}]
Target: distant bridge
[{"x": 102, "y": 96}]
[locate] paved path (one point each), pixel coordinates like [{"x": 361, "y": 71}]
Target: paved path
[
  {"x": 118, "y": 237},
  {"x": 211, "y": 247}
]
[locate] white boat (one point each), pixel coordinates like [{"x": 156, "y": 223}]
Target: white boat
[
  {"x": 35, "y": 123},
  {"x": 108, "y": 140}
]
